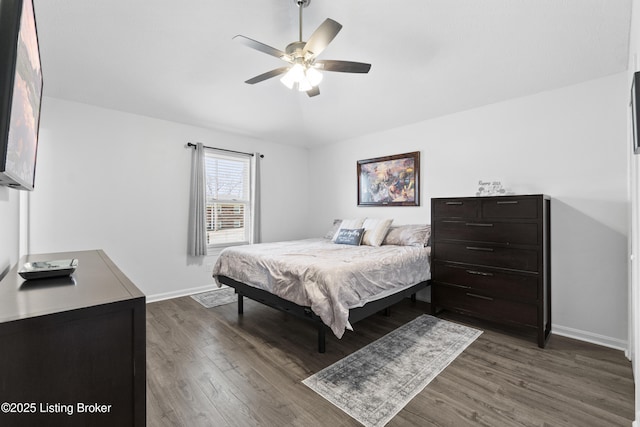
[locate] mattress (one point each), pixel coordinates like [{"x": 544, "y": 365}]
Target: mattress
[{"x": 329, "y": 278}]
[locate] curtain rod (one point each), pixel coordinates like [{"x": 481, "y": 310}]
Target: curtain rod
[{"x": 189, "y": 144}]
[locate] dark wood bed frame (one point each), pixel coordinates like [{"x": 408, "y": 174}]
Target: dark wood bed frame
[{"x": 355, "y": 314}]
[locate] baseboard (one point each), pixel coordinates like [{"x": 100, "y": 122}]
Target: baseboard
[
  {"x": 180, "y": 293},
  {"x": 578, "y": 334}
]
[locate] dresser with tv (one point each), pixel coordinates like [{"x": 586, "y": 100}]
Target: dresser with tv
[
  {"x": 491, "y": 259},
  {"x": 72, "y": 347}
]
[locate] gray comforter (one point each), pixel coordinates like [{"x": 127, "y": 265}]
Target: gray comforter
[{"x": 327, "y": 277}]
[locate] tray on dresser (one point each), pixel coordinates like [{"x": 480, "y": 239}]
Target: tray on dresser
[{"x": 46, "y": 269}]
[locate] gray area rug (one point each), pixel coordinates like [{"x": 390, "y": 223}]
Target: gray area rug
[
  {"x": 216, "y": 297},
  {"x": 373, "y": 384}
]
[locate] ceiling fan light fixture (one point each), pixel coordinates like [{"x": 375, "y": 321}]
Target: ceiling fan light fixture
[
  {"x": 293, "y": 76},
  {"x": 304, "y": 85},
  {"x": 301, "y": 77},
  {"x": 287, "y": 81},
  {"x": 314, "y": 76}
]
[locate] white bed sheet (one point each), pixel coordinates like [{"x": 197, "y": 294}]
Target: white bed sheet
[{"x": 327, "y": 277}]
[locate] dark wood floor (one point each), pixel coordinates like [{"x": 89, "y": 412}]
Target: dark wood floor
[{"x": 209, "y": 367}]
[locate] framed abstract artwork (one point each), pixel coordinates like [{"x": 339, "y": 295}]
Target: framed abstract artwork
[{"x": 390, "y": 180}]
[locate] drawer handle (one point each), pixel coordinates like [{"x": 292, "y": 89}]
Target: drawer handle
[
  {"x": 507, "y": 202},
  {"x": 476, "y": 248},
  {"x": 478, "y": 224},
  {"x": 479, "y": 296},
  {"x": 458, "y": 286},
  {"x": 450, "y": 221},
  {"x": 479, "y": 273},
  {"x": 453, "y": 203}
]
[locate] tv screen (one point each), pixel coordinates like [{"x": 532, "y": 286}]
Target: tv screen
[
  {"x": 635, "y": 111},
  {"x": 20, "y": 93}
]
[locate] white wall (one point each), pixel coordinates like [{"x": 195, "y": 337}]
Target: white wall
[
  {"x": 569, "y": 143},
  {"x": 120, "y": 182},
  {"x": 9, "y": 230}
]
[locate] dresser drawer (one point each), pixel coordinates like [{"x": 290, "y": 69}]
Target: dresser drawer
[
  {"x": 510, "y": 208},
  {"x": 479, "y": 305},
  {"x": 479, "y": 254},
  {"x": 486, "y": 281},
  {"x": 487, "y": 231},
  {"x": 456, "y": 208}
]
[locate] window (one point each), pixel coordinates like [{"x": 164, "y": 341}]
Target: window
[{"x": 228, "y": 204}]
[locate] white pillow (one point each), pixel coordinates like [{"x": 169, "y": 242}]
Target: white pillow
[
  {"x": 334, "y": 229},
  {"x": 349, "y": 224},
  {"x": 408, "y": 235},
  {"x": 375, "y": 230}
]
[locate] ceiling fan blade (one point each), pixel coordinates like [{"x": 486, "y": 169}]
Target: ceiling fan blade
[
  {"x": 267, "y": 75},
  {"x": 342, "y": 66},
  {"x": 262, "y": 47},
  {"x": 313, "y": 91},
  {"x": 322, "y": 36}
]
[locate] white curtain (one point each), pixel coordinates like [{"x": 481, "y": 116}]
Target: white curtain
[
  {"x": 255, "y": 199},
  {"x": 197, "y": 220}
]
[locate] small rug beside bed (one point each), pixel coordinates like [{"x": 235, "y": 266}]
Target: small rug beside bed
[
  {"x": 216, "y": 297},
  {"x": 373, "y": 384}
]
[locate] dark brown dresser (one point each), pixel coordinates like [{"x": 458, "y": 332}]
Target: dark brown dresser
[
  {"x": 72, "y": 349},
  {"x": 491, "y": 260}
]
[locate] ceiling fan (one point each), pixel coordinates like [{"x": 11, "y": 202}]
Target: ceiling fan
[{"x": 302, "y": 72}]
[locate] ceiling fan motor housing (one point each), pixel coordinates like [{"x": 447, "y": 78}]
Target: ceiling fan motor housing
[{"x": 295, "y": 50}]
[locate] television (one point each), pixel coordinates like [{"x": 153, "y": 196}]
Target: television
[
  {"x": 635, "y": 111},
  {"x": 20, "y": 93}
]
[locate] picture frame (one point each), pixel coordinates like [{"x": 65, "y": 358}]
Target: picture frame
[
  {"x": 635, "y": 113},
  {"x": 389, "y": 180},
  {"x": 20, "y": 94}
]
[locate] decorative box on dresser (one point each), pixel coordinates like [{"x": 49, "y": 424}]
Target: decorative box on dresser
[
  {"x": 491, "y": 260},
  {"x": 72, "y": 349}
]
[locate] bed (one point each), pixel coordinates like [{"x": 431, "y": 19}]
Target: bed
[{"x": 327, "y": 281}]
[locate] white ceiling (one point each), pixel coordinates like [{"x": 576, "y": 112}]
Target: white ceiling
[{"x": 176, "y": 60}]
